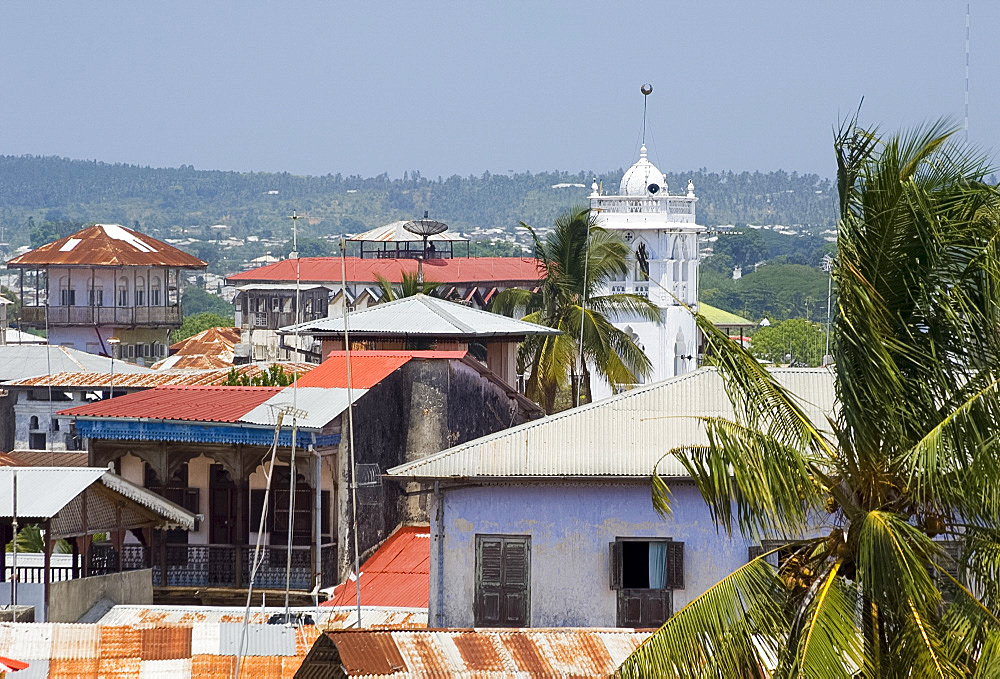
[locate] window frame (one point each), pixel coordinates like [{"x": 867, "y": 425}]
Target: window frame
[
  {"x": 502, "y": 587},
  {"x": 647, "y": 599}
]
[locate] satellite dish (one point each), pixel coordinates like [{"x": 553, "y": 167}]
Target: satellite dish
[{"x": 425, "y": 227}]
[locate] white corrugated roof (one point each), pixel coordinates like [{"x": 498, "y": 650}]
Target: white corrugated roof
[
  {"x": 42, "y": 492},
  {"x": 321, "y": 405},
  {"x": 423, "y": 315},
  {"x": 20, "y": 361},
  {"x": 620, "y": 436},
  {"x": 394, "y": 232}
]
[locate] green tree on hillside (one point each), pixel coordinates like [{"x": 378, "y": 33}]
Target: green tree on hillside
[
  {"x": 571, "y": 266},
  {"x": 197, "y": 301},
  {"x": 796, "y": 341},
  {"x": 905, "y": 483}
]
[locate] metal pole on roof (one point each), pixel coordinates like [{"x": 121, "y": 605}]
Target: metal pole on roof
[
  {"x": 295, "y": 428},
  {"x": 13, "y": 563},
  {"x": 350, "y": 435}
]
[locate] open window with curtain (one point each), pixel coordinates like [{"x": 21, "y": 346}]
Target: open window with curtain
[{"x": 645, "y": 573}]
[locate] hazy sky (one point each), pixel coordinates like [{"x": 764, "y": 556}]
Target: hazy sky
[{"x": 446, "y": 88}]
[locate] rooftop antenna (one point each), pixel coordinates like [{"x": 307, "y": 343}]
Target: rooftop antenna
[
  {"x": 968, "y": 7},
  {"x": 424, "y": 227},
  {"x": 646, "y": 90},
  {"x": 350, "y": 430},
  {"x": 294, "y": 412}
]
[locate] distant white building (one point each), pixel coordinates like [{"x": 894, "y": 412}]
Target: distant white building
[{"x": 660, "y": 230}]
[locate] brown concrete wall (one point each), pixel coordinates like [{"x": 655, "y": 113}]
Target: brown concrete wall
[{"x": 69, "y": 600}]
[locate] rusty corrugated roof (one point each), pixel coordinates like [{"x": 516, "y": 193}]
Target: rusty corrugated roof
[
  {"x": 42, "y": 458},
  {"x": 458, "y": 270},
  {"x": 211, "y": 348},
  {"x": 397, "y": 574},
  {"x": 92, "y": 651},
  {"x": 107, "y": 245},
  {"x": 564, "y": 652},
  {"x": 206, "y": 404},
  {"x": 164, "y": 378}
]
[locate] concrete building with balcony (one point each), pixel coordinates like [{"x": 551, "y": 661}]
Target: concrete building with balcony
[
  {"x": 661, "y": 232},
  {"x": 105, "y": 281}
]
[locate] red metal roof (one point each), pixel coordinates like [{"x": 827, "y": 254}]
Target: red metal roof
[
  {"x": 368, "y": 368},
  {"x": 107, "y": 245},
  {"x": 457, "y": 270},
  {"x": 397, "y": 574},
  {"x": 203, "y": 403}
]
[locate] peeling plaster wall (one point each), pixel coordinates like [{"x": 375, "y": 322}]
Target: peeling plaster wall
[{"x": 570, "y": 526}]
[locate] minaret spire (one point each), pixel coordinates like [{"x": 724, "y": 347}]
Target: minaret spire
[{"x": 646, "y": 90}]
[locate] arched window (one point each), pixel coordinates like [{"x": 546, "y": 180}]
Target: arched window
[
  {"x": 154, "y": 291},
  {"x": 140, "y": 292},
  {"x": 67, "y": 296},
  {"x": 33, "y": 422},
  {"x": 123, "y": 291},
  {"x": 95, "y": 294}
]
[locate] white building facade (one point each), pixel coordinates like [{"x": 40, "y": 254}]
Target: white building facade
[{"x": 661, "y": 231}]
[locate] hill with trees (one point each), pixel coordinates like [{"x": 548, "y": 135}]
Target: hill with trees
[{"x": 49, "y": 196}]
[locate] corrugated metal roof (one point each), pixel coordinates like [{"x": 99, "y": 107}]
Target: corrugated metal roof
[
  {"x": 282, "y": 287},
  {"x": 43, "y": 491},
  {"x": 21, "y": 361},
  {"x": 196, "y": 404},
  {"x": 568, "y": 652},
  {"x": 397, "y": 574},
  {"x": 128, "y": 651},
  {"x": 424, "y": 316},
  {"x": 394, "y": 232},
  {"x": 320, "y": 405},
  {"x": 107, "y": 245},
  {"x": 723, "y": 318},
  {"x": 15, "y": 336},
  {"x": 43, "y": 458},
  {"x": 623, "y": 435},
  {"x": 482, "y": 270},
  {"x": 368, "y": 368},
  {"x": 150, "y": 379},
  {"x": 205, "y": 619},
  {"x": 211, "y": 348}
]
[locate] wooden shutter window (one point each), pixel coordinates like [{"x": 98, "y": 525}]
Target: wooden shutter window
[
  {"x": 675, "y": 565},
  {"x": 615, "y": 564},
  {"x": 503, "y": 579}
]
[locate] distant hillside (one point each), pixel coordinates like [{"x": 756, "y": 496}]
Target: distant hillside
[{"x": 63, "y": 191}]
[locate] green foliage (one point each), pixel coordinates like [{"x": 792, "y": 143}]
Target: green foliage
[
  {"x": 47, "y": 231},
  {"x": 574, "y": 268},
  {"x": 775, "y": 290},
  {"x": 494, "y": 248},
  {"x": 29, "y": 540},
  {"x": 56, "y": 189},
  {"x": 798, "y": 338},
  {"x": 196, "y": 323},
  {"x": 408, "y": 287},
  {"x": 744, "y": 249},
  {"x": 197, "y": 301},
  {"x": 910, "y": 454},
  {"x": 311, "y": 247},
  {"x": 274, "y": 376}
]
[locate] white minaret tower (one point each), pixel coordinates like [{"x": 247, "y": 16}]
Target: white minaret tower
[{"x": 660, "y": 230}]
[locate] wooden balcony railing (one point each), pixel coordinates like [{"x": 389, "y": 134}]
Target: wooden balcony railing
[
  {"x": 102, "y": 315},
  {"x": 176, "y": 565}
]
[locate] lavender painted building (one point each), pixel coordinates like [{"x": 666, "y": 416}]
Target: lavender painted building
[{"x": 550, "y": 524}]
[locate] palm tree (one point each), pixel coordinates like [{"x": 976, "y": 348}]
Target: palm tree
[
  {"x": 409, "y": 287},
  {"x": 864, "y": 589},
  {"x": 572, "y": 268}
]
